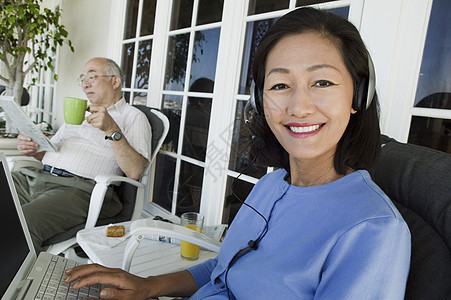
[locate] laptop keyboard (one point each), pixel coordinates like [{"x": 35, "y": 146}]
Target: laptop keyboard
[{"x": 54, "y": 287}]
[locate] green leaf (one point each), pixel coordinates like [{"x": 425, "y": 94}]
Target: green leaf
[
  {"x": 12, "y": 20},
  {"x": 23, "y": 22}
]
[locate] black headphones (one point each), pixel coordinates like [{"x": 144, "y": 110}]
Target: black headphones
[
  {"x": 363, "y": 93},
  {"x": 258, "y": 142}
]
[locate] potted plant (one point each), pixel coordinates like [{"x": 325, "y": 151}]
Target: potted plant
[{"x": 29, "y": 37}]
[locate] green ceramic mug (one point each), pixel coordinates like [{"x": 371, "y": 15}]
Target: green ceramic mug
[{"x": 74, "y": 110}]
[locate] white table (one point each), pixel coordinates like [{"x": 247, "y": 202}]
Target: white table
[{"x": 151, "y": 257}]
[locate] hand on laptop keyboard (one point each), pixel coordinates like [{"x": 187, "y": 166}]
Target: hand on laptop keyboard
[
  {"x": 53, "y": 285},
  {"x": 119, "y": 284}
]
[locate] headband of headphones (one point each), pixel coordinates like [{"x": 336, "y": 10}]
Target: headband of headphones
[{"x": 363, "y": 94}]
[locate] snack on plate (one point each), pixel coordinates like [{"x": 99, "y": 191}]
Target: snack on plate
[{"x": 115, "y": 231}]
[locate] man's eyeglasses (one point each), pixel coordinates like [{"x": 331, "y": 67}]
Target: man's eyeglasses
[{"x": 90, "y": 79}]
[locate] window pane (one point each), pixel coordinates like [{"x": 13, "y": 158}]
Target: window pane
[
  {"x": 262, "y": 6},
  {"x": 164, "y": 182},
  {"x": 190, "y": 188},
  {"x": 41, "y": 97},
  {"x": 172, "y": 108},
  {"x": 254, "y": 33},
  {"x": 435, "y": 75},
  {"x": 127, "y": 96},
  {"x": 209, "y": 11},
  {"x": 49, "y": 116},
  {"x": 52, "y": 78},
  {"x": 241, "y": 154},
  {"x": 148, "y": 17},
  {"x": 128, "y": 51},
  {"x": 234, "y": 200},
  {"x": 341, "y": 11},
  {"x": 310, "y": 2},
  {"x": 205, "y": 55},
  {"x": 131, "y": 19},
  {"x": 196, "y": 127},
  {"x": 431, "y": 132},
  {"x": 203, "y": 85},
  {"x": 436, "y": 100},
  {"x": 176, "y": 62},
  {"x": 182, "y": 12},
  {"x": 140, "y": 98},
  {"x": 143, "y": 64}
]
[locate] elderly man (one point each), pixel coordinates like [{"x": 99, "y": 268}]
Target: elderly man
[{"x": 113, "y": 140}]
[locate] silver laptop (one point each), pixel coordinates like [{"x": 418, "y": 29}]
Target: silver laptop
[{"x": 22, "y": 274}]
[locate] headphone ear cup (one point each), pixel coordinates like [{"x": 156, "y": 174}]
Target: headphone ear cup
[
  {"x": 360, "y": 95},
  {"x": 256, "y": 100},
  {"x": 365, "y": 89},
  {"x": 258, "y": 142}
]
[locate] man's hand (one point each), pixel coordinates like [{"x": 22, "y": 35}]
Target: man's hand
[
  {"x": 26, "y": 146},
  {"x": 131, "y": 162},
  {"x": 101, "y": 119}
]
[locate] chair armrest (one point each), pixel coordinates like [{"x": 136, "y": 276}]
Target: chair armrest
[
  {"x": 107, "y": 180},
  {"x": 98, "y": 195},
  {"x": 143, "y": 227}
]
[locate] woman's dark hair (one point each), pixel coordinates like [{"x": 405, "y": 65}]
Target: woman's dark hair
[{"x": 359, "y": 147}]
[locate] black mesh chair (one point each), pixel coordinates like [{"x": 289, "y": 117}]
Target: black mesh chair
[{"x": 418, "y": 181}]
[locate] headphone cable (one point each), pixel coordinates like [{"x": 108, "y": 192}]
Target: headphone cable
[{"x": 252, "y": 245}]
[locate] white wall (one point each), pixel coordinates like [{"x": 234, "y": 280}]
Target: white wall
[
  {"x": 88, "y": 24},
  {"x": 394, "y": 31}
]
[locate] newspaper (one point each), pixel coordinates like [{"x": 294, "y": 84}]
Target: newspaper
[{"x": 24, "y": 124}]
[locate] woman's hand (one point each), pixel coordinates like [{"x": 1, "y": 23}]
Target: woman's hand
[
  {"x": 128, "y": 286},
  {"x": 125, "y": 285}
]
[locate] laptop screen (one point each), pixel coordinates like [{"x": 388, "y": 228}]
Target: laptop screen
[{"x": 14, "y": 249}]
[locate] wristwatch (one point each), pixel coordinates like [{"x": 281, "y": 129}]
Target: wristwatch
[{"x": 116, "y": 136}]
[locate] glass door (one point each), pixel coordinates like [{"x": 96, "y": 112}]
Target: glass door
[
  {"x": 137, "y": 49},
  {"x": 187, "y": 95}
]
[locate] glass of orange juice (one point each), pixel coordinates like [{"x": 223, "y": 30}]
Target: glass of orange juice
[{"x": 193, "y": 221}]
